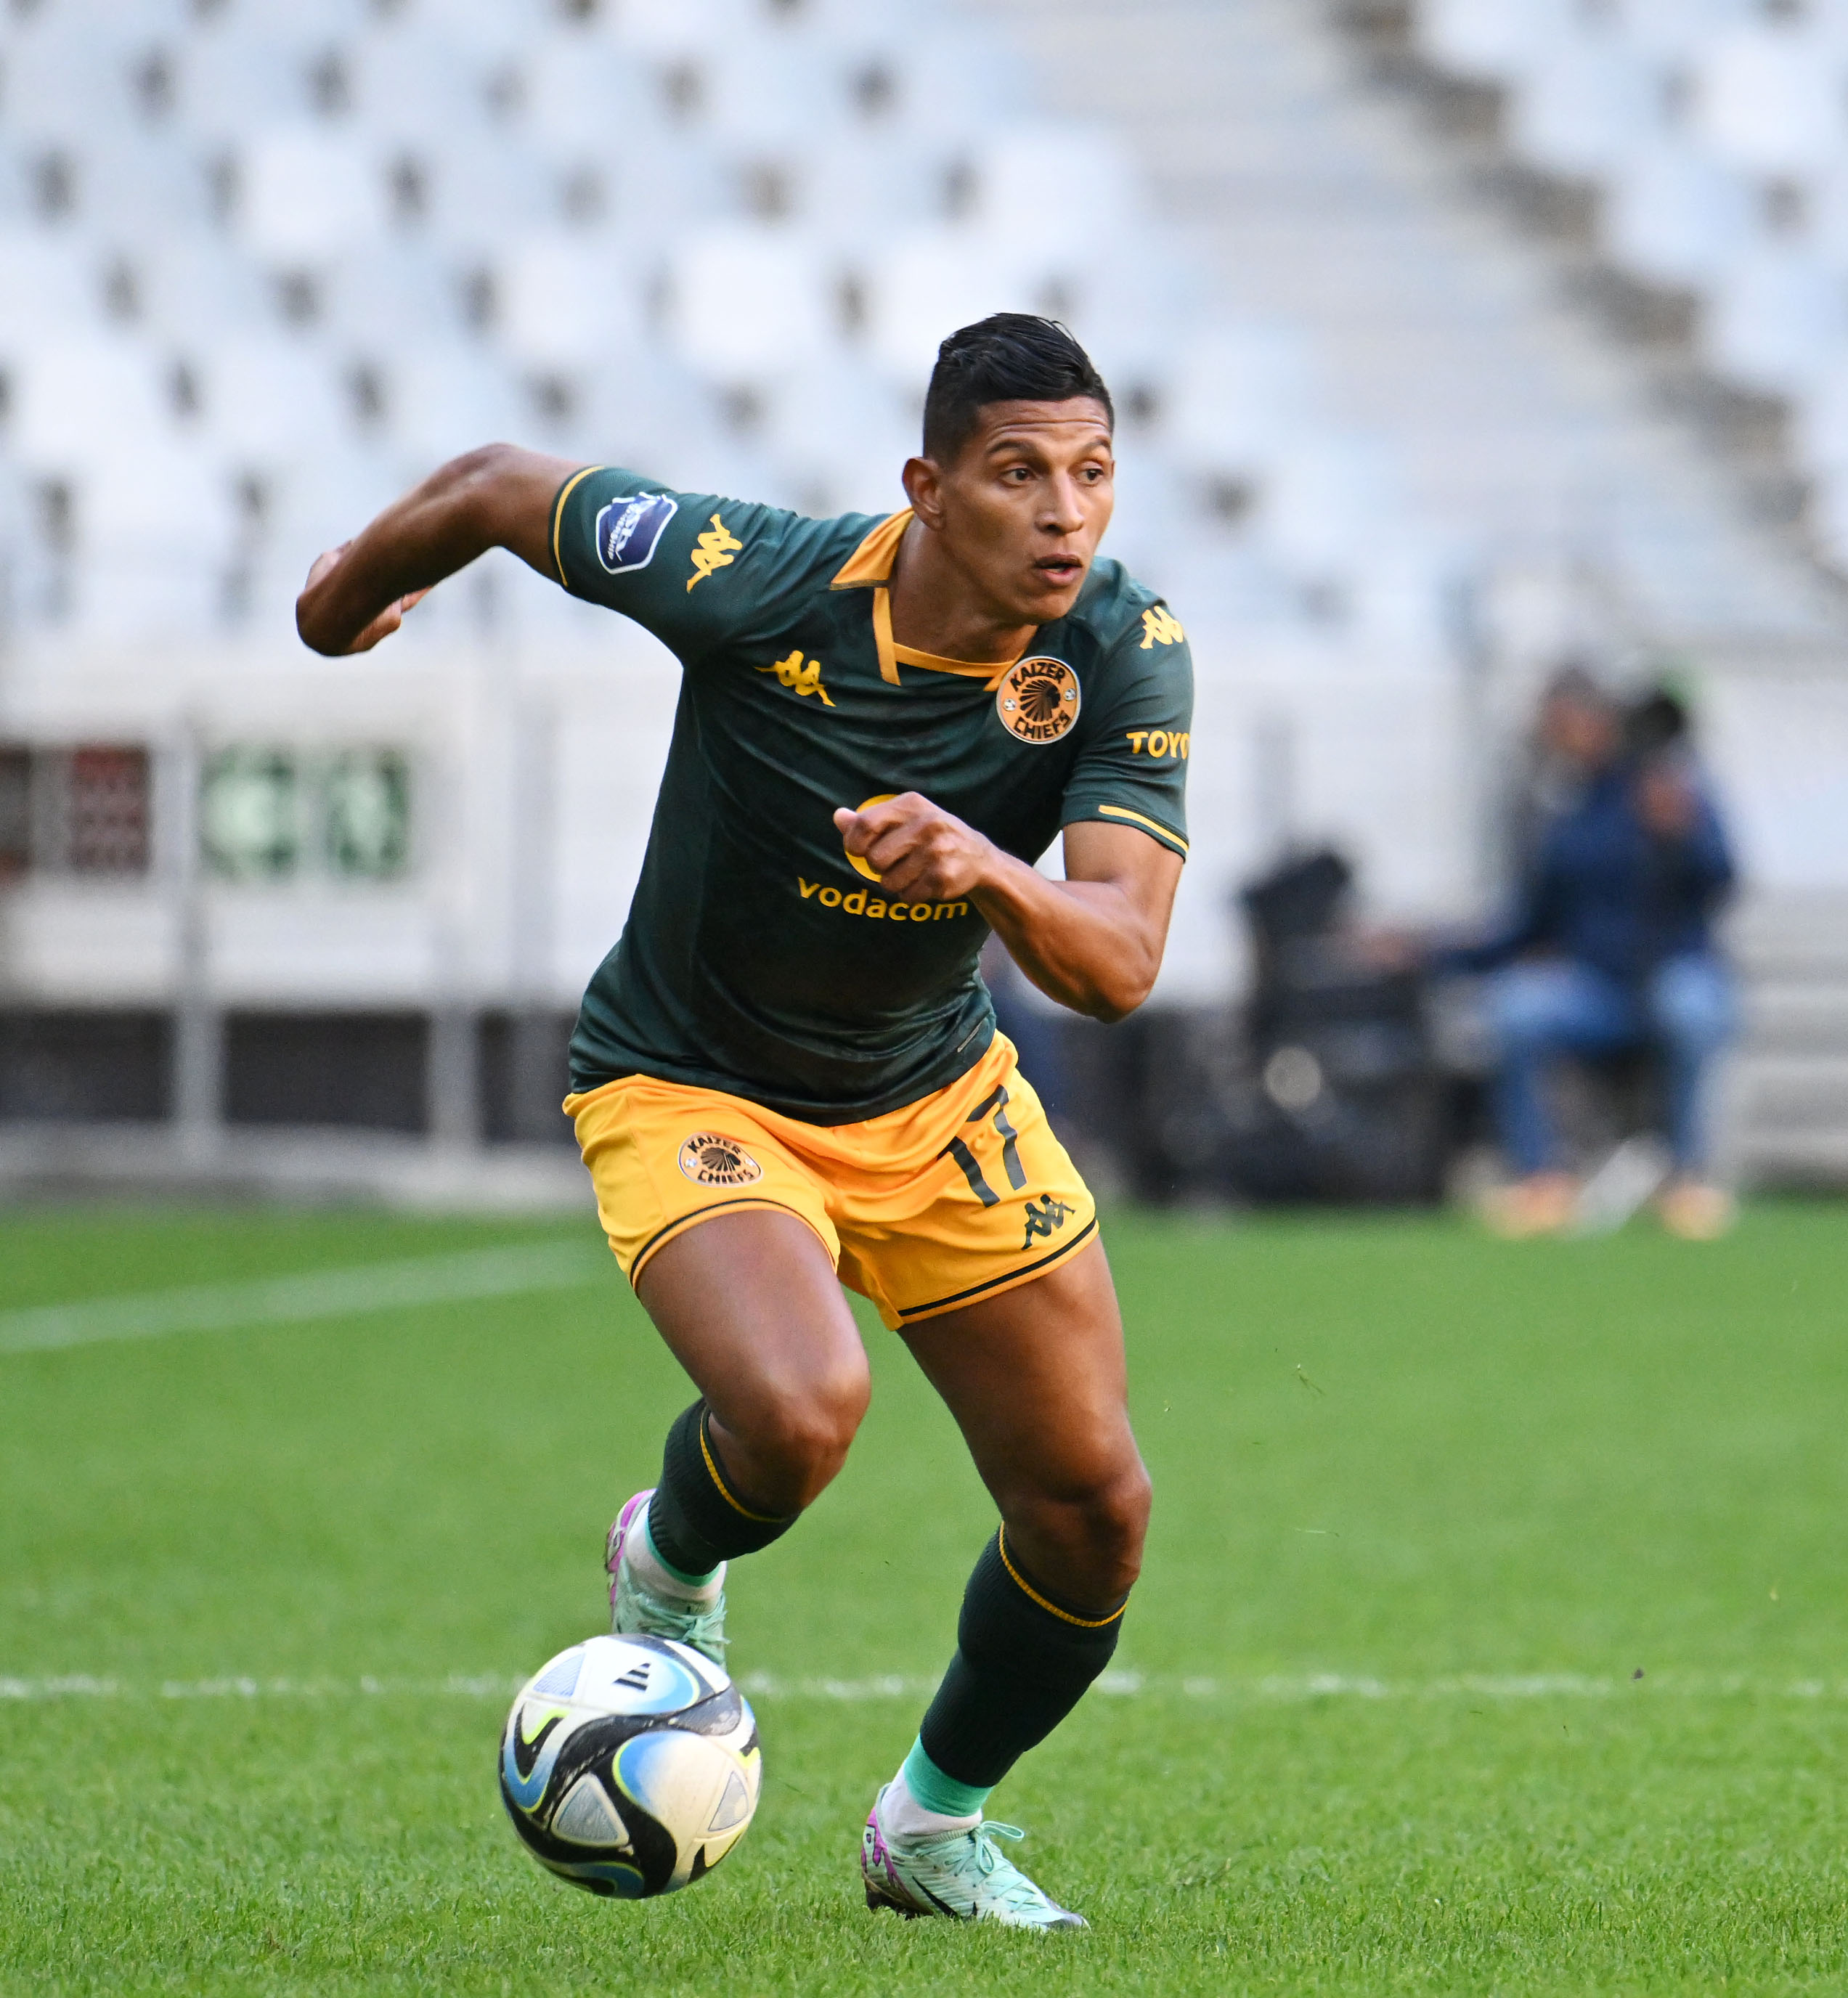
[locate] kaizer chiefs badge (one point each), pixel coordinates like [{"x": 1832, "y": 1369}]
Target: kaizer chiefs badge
[
  {"x": 1038, "y": 701},
  {"x": 708, "y": 1160}
]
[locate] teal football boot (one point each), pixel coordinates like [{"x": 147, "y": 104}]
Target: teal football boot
[
  {"x": 963, "y": 1875},
  {"x": 636, "y": 1610}
]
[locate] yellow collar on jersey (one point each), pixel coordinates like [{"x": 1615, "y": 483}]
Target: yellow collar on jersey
[{"x": 870, "y": 565}]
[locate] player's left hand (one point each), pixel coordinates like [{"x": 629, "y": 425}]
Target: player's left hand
[{"x": 919, "y": 852}]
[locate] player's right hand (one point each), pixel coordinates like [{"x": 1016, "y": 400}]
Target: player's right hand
[
  {"x": 916, "y": 850},
  {"x": 381, "y": 627}
]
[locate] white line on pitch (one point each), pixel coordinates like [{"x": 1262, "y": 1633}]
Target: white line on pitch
[
  {"x": 368, "y": 1287},
  {"x": 1274, "y": 1689}
]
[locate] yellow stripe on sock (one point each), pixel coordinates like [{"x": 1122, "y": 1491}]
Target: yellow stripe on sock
[
  {"x": 1064, "y": 1616},
  {"x": 725, "y": 1492}
]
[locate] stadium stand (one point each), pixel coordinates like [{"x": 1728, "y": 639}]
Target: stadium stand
[{"x": 260, "y": 267}]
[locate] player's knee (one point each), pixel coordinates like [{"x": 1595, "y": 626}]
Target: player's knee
[
  {"x": 1087, "y": 1541},
  {"x": 803, "y": 1429},
  {"x": 1117, "y": 1522}
]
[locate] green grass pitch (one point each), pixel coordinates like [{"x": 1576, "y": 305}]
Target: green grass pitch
[{"x": 1426, "y": 1506}]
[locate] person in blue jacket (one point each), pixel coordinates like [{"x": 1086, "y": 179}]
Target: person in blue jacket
[{"x": 1610, "y": 947}]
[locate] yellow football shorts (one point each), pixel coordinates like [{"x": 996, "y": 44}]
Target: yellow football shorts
[{"x": 959, "y": 1196}]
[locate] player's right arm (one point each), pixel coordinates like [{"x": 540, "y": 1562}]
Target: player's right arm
[{"x": 499, "y": 496}]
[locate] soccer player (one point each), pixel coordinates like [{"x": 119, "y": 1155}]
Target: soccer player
[{"x": 787, "y": 1077}]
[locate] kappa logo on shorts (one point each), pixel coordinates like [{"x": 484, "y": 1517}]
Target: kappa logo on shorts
[
  {"x": 1043, "y": 1219},
  {"x": 1038, "y": 700},
  {"x": 709, "y": 1159},
  {"x": 629, "y": 530}
]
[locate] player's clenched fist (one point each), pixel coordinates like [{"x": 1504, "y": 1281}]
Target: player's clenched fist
[
  {"x": 920, "y": 852},
  {"x": 381, "y": 627}
]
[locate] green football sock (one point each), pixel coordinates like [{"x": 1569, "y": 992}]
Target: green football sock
[{"x": 933, "y": 1790}]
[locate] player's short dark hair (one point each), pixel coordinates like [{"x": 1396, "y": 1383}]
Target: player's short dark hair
[{"x": 1006, "y": 357}]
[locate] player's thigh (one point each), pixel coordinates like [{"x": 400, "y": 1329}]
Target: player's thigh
[
  {"x": 1036, "y": 1381},
  {"x": 748, "y": 1303}
]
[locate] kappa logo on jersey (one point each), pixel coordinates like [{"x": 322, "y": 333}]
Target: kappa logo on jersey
[
  {"x": 629, "y": 530},
  {"x": 1159, "y": 628},
  {"x": 717, "y": 546},
  {"x": 804, "y": 677},
  {"x": 708, "y": 1160},
  {"x": 1038, "y": 701},
  {"x": 1043, "y": 1219}
]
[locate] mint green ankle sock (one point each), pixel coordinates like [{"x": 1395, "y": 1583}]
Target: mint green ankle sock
[{"x": 936, "y": 1792}]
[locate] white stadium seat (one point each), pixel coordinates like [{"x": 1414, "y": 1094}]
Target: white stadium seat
[
  {"x": 764, "y": 91},
  {"x": 852, "y": 186},
  {"x": 1776, "y": 320},
  {"x": 751, "y": 302},
  {"x": 844, "y": 434},
  {"x": 442, "y": 397},
  {"x": 1676, "y": 216},
  {"x": 88, "y": 398},
  {"x": 197, "y": 289},
  {"x": 1675, "y": 30},
  {"x": 1326, "y": 497},
  {"x": 160, "y": 503},
  {"x": 241, "y": 76},
  {"x": 390, "y": 296},
  {"x": 307, "y": 195},
  {"x": 1236, "y": 398},
  {"x": 1586, "y": 104},
  {"x": 135, "y": 187},
  {"x": 671, "y": 30},
  {"x": 1820, "y": 431},
  {"x": 70, "y": 70},
  {"x": 50, "y": 281},
  {"x": 483, "y": 196},
  {"x": 956, "y": 77},
  {"x": 1047, "y": 193},
  {"x": 651, "y": 415},
  {"x": 1770, "y": 98},
  {"x": 583, "y": 96},
  {"x": 926, "y": 282},
  {"x": 569, "y": 300},
  {"x": 1493, "y": 40},
  {"x": 416, "y": 82},
  {"x": 266, "y": 397}
]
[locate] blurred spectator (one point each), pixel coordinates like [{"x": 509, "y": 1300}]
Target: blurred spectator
[
  {"x": 1609, "y": 949},
  {"x": 1570, "y": 738}
]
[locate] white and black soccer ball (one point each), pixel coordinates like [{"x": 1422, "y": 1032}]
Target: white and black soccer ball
[{"x": 630, "y": 1766}]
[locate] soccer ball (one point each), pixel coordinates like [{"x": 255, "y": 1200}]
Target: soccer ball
[{"x": 630, "y": 1766}]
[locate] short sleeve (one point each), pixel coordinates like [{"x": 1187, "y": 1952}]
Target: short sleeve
[
  {"x": 672, "y": 561},
  {"x": 1132, "y": 769}
]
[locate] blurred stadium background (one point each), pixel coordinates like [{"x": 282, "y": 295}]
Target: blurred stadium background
[{"x": 1451, "y": 338}]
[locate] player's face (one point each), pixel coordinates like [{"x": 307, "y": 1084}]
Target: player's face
[{"x": 1026, "y": 501}]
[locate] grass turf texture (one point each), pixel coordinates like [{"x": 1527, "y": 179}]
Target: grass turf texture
[{"x": 1383, "y": 1450}]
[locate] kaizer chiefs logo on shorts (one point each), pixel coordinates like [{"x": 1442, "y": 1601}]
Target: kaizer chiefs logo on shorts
[
  {"x": 708, "y": 1160},
  {"x": 1038, "y": 701}
]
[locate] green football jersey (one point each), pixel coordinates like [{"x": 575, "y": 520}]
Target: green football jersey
[{"x": 758, "y": 957}]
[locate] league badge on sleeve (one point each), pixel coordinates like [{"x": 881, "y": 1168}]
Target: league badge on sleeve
[{"x": 629, "y": 531}]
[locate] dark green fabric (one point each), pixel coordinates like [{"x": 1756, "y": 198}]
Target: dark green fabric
[
  {"x": 755, "y": 959},
  {"x": 693, "y": 1524},
  {"x": 1019, "y": 1669}
]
